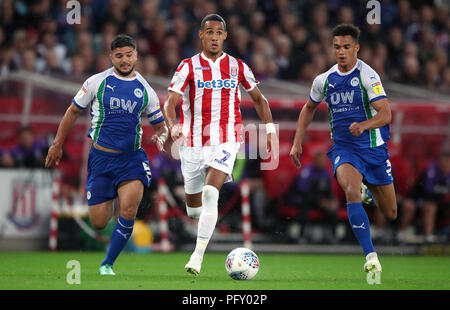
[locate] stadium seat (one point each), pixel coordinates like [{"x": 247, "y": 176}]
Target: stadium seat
[
  {"x": 404, "y": 174},
  {"x": 11, "y": 105},
  {"x": 74, "y": 150},
  {"x": 278, "y": 181},
  {"x": 78, "y": 133},
  {"x": 70, "y": 170},
  {"x": 49, "y": 106},
  {"x": 8, "y": 134},
  {"x": 42, "y": 130}
]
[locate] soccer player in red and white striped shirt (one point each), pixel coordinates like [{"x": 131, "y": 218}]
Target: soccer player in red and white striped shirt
[{"x": 211, "y": 125}]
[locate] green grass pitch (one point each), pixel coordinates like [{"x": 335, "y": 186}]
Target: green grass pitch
[{"x": 165, "y": 271}]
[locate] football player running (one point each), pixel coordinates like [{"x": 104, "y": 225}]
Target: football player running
[
  {"x": 359, "y": 115},
  {"x": 118, "y": 167},
  {"x": 210, "y": 125}
]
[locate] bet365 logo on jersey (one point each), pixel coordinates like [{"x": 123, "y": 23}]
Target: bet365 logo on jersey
[{"x": 228, "y": 83}]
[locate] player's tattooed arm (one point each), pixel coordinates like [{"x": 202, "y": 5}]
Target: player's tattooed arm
[
  {"x": 383, "y": 117},
  {"x": 55, "y": 151}
]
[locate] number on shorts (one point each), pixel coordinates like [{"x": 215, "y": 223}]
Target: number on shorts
[
  {"x": 227, "y": 155},
  {"x": 146, "y": 168},
  {"x": 389, "y": 168}
]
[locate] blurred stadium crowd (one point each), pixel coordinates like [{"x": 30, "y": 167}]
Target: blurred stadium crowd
[{"x": 281, "y": 39}]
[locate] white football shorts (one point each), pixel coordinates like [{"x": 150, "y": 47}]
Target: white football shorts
[{"x": 196, "y": 160}]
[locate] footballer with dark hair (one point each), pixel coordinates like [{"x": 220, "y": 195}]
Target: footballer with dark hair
[
  {"x": 118, "y": 167},
  {"x": 210, "y": 126},
  {"x": 359, "y": 115}
]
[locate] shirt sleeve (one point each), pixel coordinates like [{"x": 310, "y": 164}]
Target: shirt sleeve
[
  {"x": 317, "y": 93},
  {"x": 153, "y": 109},
  {"x": 85, "y": 95},
  {"x": 372, "y": 83},
  {"x": 247, "y": 78},
  {"x": 180, "y": 79}
]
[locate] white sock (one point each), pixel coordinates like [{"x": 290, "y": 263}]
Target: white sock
[
  {"x": 208, "y": 218},
  {"x": 194, "y": 213}
]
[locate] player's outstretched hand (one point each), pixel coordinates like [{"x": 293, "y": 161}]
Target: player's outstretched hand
[
  {"x": 356, "y": 129},
  {"x": 296, "y": 152},
  {"x": 53, "y": 156}
]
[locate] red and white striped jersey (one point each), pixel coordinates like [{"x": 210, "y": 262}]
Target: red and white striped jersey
[{"x": 209, "y": 111}]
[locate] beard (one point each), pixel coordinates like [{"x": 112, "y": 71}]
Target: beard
[{"x": 124, "y": 73}]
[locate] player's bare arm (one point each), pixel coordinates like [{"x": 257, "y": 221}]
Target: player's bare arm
[
  {"x": 264, "y": 113},
  {"x": 160, "y": 136},
  {"x": 55, "y": 151},
  {"x": 383, "y": 117},
  {"x": 304, "y": 119},
  {"x": 170, "y": 115}
]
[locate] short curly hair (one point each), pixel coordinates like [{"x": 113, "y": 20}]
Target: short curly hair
[{"x": 346, "y": 30}]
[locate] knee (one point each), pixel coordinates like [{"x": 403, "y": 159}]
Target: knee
[
  {"x": 99, "y": 223},
  {"x": 352, "y": 192},
  {"x": 210, "y": 193},
  {"x": 128, "y": 212},
  {"x": 194, "y": 213},
  {"x": 391, "y": 214}
]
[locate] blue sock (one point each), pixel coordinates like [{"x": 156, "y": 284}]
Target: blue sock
[
  {"x": 359, "y": 222},
  {"x": 119, "y": 238}
]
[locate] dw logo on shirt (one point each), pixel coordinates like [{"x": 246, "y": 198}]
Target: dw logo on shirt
[
  {"x": 345, "y": 97},
  {"x": 116, "y": 103}
]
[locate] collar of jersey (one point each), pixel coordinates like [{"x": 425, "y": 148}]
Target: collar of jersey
[
  {"x": 124, "y": 79},
  {"x": 213, "y": 62},
  {"x": 348, "y": 72}
]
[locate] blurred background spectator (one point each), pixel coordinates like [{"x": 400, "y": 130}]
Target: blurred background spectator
[
  {"x": 29, "y": 153},
  {"x": 283, "y": 39},
  {"x": 312, "y": 190},
  {"x": 167, "y": 166},
  {"x": 6, "y": 160},
  {"x": 431, "y": 194}
]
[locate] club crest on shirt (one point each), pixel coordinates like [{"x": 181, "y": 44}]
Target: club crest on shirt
[
  {"x": 354, "y": 82},
  {"x": 138, "y": 93},
  {"x": 233, "y": 71}
]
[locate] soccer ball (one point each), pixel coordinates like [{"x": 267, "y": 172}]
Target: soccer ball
[{"x": 242, "y": 264}]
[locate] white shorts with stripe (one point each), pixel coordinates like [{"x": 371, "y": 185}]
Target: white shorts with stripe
[{"x": 196, "y": 160}]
